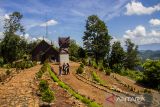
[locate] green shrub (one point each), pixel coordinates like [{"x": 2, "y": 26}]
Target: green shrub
[
  {"x": 8, "y": 66},
  {"x": 34, "y": 63},
  {"x": 43, "y": 85},
  {"x": 23, "y": 64},
  {"x": 79, "y": 70},
  {"x": 82, "y": 65},
  {"x": 108, "y": 71},
  {"x": 101, "y": 68},
  {"x": 84, "y": 61},
  {"x": 147, "y": 91},
  {"x": 94, "y": 65},
  {"x": 96, "y": 78},
  {"x": 39, "y": 74},
  {"x": 136, "y": 75},
  {"x": 8, "y": 72},
  {"x": 117, "y": 68},
  {"x": 48, "y": 96}
]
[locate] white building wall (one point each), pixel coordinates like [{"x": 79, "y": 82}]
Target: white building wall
[{"x": 64, "y": 58}]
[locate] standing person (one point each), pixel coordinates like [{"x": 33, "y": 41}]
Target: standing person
[
  {"x": 68, "y": 68},
  {"x": 60, "y": 70},
  {"x": 64, "y": 68}
]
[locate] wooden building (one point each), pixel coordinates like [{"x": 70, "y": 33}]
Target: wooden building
[{"x": 45, "y": 51}]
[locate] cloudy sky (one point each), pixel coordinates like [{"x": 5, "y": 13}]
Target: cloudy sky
[{"x": 138, "y": 20}]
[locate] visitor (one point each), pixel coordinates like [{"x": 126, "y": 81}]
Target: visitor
[
  {"x": 64, "y": 68},
  {"x": 67, "y": 66},
  {"x": 60, "y": 70}
]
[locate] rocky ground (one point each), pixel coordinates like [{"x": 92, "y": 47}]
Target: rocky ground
[{"x": 20, "y": 90}]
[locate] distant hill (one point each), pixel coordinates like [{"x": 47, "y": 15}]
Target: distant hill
[
  {"x": 145, "y": 54},
  {"x": 153, "y": 46}
]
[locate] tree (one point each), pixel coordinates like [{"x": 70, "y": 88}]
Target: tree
[
  {"x": 117, "y": 55},
  {"x": 73, "y": 49},
  {"x": 12, "y": 24},
  {"x": 131, "y": 59},
  {"x": 81, "y": 53},
  {"x": 11, "y": 49},
  {"x": 152, "y": 72},
  {"x": 96, "y": 38}
]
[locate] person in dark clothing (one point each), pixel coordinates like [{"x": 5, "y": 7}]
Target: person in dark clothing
[
  {"x": 67, "y": 68},
  {"x": 64, "y": 68},
  {"x": 60, "y": 70}
]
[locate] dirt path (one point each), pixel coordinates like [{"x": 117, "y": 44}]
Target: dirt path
[
  {"x": 88, "y": 90},
  {"x": 19, "y": 91}
]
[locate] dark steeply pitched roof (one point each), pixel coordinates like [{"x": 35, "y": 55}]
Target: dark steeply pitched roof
[
  {"x": 64, "y": 42},
  {"x": 39, "y": 49},
  {"x": 51, "y": 51},
  {"x": 42, "y": 46}
]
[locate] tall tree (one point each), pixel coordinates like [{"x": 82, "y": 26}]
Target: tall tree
[
  {"x": 117, "y": 55},
  {"x": 132, "y": 59},
  {"x": 10, "y": 45},
  {"x": 96, "y": 39},
  {"x": 13, "y": 23}
]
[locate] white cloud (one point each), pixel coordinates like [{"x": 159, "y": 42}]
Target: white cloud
[
  {"x": 28, "y": 37},
  {"x": 139, "y": 31},
  {"x": 6, "y": 16},
  {"x": 137, "y": 8},
  {"x": 154, "y": 33},
  {"x": 141, "y": 36},
  {"x": 155, "y": 22},
  {"x": 49, "y": 23}
]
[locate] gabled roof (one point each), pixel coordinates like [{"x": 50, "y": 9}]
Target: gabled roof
[
  {"x": 42, "y": 46},
  {"x": 64, "y": 42}
]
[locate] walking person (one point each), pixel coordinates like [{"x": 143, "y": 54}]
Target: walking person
[
  {"x": 67, "y": 66},
  {"x": 60, "y": 70},
  {"x": 64, "y": 68}
]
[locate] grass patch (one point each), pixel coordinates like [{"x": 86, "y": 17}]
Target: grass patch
[{"x": 96, "y": 78}]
